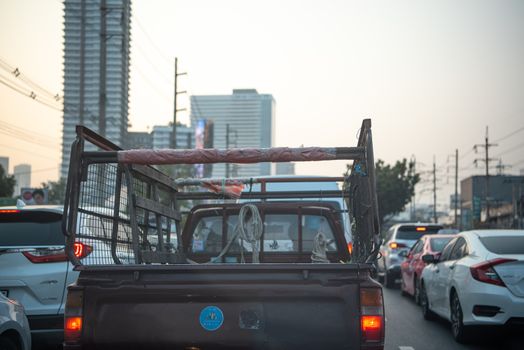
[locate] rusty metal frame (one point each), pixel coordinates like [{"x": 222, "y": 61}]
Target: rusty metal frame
[{"x": 359, "y": 186}]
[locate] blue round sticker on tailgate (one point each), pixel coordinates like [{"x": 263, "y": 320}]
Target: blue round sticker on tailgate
[{"x": 211, "y": 318}]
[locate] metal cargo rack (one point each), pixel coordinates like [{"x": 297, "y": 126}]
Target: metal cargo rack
[{"x": 128, "y": 212}]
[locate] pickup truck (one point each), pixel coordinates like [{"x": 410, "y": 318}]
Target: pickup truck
[{"x": 207, "y": 270}]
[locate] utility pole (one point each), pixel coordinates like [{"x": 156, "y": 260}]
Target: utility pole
[
  {"x": 486, "y": 161},
  {"x": 456, "y": 199},
  {"x": 500, "y": 167},
  {"x": 413, "y": 208},
  {"x": 434, "y": 191},
  {"x": 175, "y": 109},
  {"x": 227, "y": 147}
]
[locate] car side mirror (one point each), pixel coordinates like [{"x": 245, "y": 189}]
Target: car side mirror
[
  {"x": 429, "y": 259},
  {"x": 403, "y": 254}
]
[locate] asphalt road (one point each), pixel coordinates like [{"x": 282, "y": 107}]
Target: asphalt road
[{"x": 406, "y": 329}]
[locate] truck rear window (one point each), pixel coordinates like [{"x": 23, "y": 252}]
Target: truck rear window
[
  {"x": 413, "y": 232},
  {"x": 504, "y": 244},
  {"x": 31, "y": 229},
  {"x": 280, "y": 233}
]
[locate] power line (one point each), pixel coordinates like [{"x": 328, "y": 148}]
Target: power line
[
  {"x": 31, "y": 132},
  {"x": 33, "y": 97},
  {"x": 37, "y": 171},
  {"x": 165, "y": 57},
  {"x": 27, "y": 151},
  {"x": 510, "y": 149},
  {"x": 510, "y": 134},
  {"x": 18, "y": 74}
]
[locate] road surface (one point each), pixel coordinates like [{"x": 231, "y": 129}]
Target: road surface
[{"x": 406, "y": 329}]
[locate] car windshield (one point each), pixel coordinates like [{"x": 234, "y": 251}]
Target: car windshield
[
  {"x": 413, "y": 232},
  {"x": 437, "y": 244},
  {"x": 504, "y": 245},
  {"x": 30, "y": 229}
]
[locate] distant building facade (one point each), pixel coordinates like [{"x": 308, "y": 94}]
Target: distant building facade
[
  {"x": 285, "y": 168},
  {"x": 138, "y": 139},
  {"x": 96, "y": 70},
  {"x": 22, "y": 173},
  {"x": 250, "y": 119},
  {"x": 4, "y": 162},
  {"x": 162, "y": 134},
  {"x": 503, "y": 190}
]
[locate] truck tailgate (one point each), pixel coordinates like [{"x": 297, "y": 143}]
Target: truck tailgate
[{"x": 275, "y": 306}]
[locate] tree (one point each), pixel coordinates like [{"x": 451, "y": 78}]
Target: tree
[
  {"x": 395, "y": 187},
  {"x": 55, "y": 191},
  {"x": 7, "y": 183}
]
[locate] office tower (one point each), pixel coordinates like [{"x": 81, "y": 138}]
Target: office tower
[
  {"x": 96, "y": 70},
  {"x": 243, "y": 119}
]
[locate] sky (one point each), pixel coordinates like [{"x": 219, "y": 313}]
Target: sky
[{"x": 432, "y": 75}]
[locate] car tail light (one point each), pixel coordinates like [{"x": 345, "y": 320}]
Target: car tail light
[
  {"x": 371, "y": 316},
  {"x": 45, "y": 255},
  {"x": 9, "y": 211},
  {"x": 395, "y": 245},
  {"x": 82, "y": 250},
  {"x": 56, "y": 254},
  {"x": 73, "y": 321},
  {"x": 484, "y": 272},
  {"x": 350, "y": 247}
]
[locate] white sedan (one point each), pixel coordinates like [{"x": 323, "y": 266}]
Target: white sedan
[{"x": 477, "y": 281}]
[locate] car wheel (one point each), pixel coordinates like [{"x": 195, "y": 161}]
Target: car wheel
[
  {"x": 416, "y": 289},
  {"x": 424, "y": 302},
  {"x": 7, "y": 344},
  {"x": 460, "y": 332},
  {"x": 389, "y": 281}
]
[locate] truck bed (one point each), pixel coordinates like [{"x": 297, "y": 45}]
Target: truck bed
[{"x": 264, "y": 306}]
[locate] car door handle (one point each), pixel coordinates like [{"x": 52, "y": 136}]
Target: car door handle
[{"x": 452, "y": 267}]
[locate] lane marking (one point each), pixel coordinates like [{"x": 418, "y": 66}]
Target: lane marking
[{"x": 406, "y": 348}]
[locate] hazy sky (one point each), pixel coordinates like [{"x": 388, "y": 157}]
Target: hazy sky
[{"x": 431, "y": 74}]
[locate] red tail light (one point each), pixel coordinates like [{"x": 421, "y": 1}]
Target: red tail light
[
  {"x": 350, "y": 247},
  {"x": 82, "y": 250},
  {"x": 395, "y": 245},
  {"x": 45, "y": 255},
  {"x": 50, "y": 255},
  {"x": 73, "y": 321},
  {"x": 372, "y": 316},
  {"x": 484, "y": 272},
  {"x": 9, "y": 211}
]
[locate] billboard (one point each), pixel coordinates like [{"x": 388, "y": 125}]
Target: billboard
[{"x": 203, "y": 139}]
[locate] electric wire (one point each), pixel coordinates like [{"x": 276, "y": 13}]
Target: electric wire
[
  {"x": 27, "y": 151},
  {"x": 34, "y": 98},
  {"x": 510, "y": 134},
  {"x": 19, "y": 75}
]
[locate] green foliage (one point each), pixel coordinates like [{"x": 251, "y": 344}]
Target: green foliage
[
  {"x": 56, "y": 191},
  {"x": 395, "y": 186},
  {"x": 7, "y": 183}
]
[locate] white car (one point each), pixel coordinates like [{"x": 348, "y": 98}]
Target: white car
[
  {"x": 34, "y": 269},
  {"x": 477, "y": 281},
  {"x": 14, "y": 327}
]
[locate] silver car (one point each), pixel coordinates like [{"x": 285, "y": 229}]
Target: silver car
[
  {"x": 14, "y": 327},
  {"x": 399, "y": 240}
]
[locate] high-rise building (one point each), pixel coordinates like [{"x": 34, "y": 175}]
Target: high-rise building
[
  {"x": 96, "y": 70},
  {"x": 243, "y": 119},
  {"x": 4, "y": 162},
  {"x": 161, "y": 135},
  {"x": 22, "y": 173}
]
